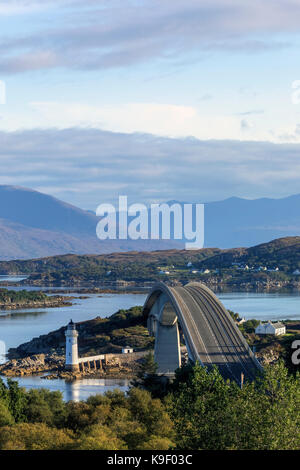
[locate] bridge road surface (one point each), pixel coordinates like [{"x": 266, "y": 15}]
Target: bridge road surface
[{"x": 215, "y": 339}]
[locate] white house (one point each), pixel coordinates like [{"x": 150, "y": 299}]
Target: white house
[
  {"x": 127, "y": 350},
  {"x": 270, "y": 329},
  {"x": 262, "y": 268},
  {"x": 296, "y": 272},
  {"x": 189, "y": 264}
]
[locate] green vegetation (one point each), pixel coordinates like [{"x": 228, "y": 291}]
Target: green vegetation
[
  {"x": 22, "y": 296},
  {"x": 130, "y": 264},
  {"x": 98, "y": 336},
  {"x": 211, "y": 414},
  {"x": 39, "y": 420},
  {"x": 198, "y": 411},
  {"x": 210, "y": 265},
  {"x": 270, "y": 345}
]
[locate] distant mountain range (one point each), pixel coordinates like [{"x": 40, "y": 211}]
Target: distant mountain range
[{"x": 34, "y": 225}]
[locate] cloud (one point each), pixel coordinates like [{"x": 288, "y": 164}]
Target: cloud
[
  {"x": 88, "y": 167},
  {"x": 246, "y": 125},
  {"x": 155, "y": 118},
  {"x": 252, "y": 112},
  {"x": 26, "y": 7},
  {"x": 100, "y": 35}
]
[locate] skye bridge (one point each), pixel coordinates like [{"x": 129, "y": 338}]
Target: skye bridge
[{"x": 211, "y": 335}]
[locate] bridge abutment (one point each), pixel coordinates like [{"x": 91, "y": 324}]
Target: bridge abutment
[{"x": 167, "y": 348}]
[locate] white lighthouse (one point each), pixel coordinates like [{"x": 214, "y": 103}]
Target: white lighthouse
[{"x": 71, "y": 347}]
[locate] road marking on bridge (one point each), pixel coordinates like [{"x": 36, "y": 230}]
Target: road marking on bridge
[
  {"x": 217, "y": 345},
  {"x": 196, "y": 330}
]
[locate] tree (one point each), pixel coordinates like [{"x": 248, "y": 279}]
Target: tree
[
  {"x": 146, "y": 376},
  {"x": 6, "y": 417},
  {"x": 150, "y": 412},
  {"x": 200, "y": 408},
  {"x": 38, "y": 436},
  {"x": 44, "y": 406},
  {"x": 99, "y": 437},
  {"x": 148, "y": 366},
  {"x": 209, "y": 413},
  {"x": 16, "y": 400}
]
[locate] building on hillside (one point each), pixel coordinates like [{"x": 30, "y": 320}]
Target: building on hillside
[
  {"x": 205, "y": 271},
  {"x": 270, "y": 328},
  {"x": 127, "y": 350},
  {"x": 261, "y": 268},
  {"x": 296, "y": 272}
]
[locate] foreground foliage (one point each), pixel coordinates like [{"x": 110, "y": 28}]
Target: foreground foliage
[{"x": 198, "y": 411}]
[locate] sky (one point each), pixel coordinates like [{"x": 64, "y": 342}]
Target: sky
[{"x": 154, "y": 99}]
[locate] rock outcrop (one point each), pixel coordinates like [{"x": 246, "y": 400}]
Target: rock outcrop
[{"x": 32, "y": 365}]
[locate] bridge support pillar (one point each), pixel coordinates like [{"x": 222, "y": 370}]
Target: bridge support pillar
[{"x": 167, "y": 348}]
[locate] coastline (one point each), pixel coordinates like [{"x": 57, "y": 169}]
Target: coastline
[
  {"x": 52, "y": 366},
  {"x": 51, "y": 303}
]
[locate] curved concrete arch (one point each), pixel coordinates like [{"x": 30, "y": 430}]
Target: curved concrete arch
[{"x": 211, "y": 335}]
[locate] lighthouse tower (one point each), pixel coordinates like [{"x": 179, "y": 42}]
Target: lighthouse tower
[{"x": 71, "y": 347}]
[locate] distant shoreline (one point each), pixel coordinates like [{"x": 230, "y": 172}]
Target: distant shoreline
[{"x": 137, "y": 287}]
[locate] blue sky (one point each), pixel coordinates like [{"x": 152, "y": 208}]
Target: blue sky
[{"x": 156, "y": 99}]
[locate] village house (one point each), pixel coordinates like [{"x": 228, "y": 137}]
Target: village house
[{"x": 270, "y": 328}]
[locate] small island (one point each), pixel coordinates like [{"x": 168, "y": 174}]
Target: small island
[{"x": 14, "y": 300}]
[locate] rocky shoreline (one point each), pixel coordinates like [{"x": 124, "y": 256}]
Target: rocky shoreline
[
  {"x": 31, "y": 365},
  {"x": 52, "y": 302},
  {"x": 52, "y": 366}
]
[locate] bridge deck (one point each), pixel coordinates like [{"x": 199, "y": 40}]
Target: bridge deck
[{"x": 211, "y": 335}]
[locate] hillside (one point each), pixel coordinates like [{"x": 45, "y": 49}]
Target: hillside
[
  {"x": 98, "y": 336},
  {"x": 283, "y": 253},
  {"x": 172, "y": 265},
  {"x": 100, "y": 264}
]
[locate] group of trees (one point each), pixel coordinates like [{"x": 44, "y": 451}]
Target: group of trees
[
  {"x": 12, "y": 296},
  {"x": 199, "y": 410},
  {"x": 40, "y": 420}
]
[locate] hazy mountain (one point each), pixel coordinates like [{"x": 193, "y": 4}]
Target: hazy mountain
[
  {"x": 242, "y": 222},
  {"x": 35, "y": 225}
]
